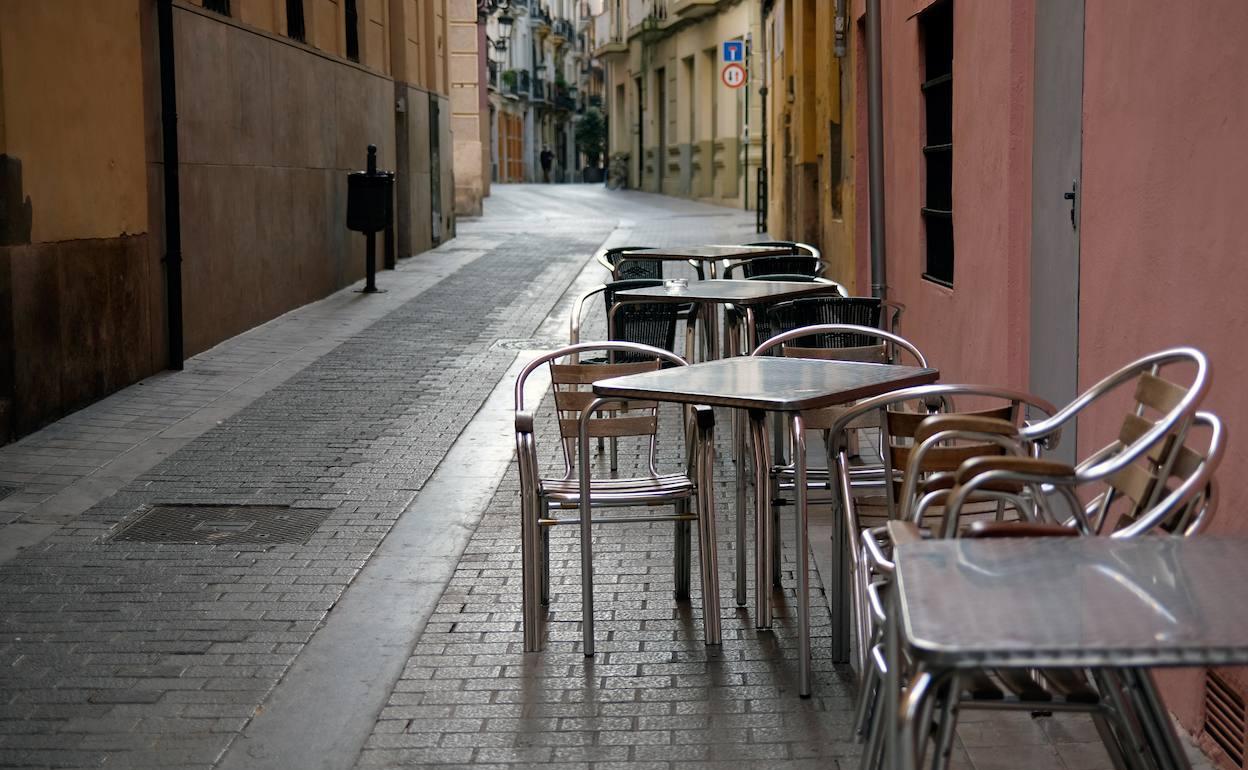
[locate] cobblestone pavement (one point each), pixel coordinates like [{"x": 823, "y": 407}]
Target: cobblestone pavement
[{"x": 124, "y": 654}]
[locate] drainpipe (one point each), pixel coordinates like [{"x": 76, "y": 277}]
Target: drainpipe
[
  {"x": 173, "y": 204},
  {"x": 875, "y": 151}
]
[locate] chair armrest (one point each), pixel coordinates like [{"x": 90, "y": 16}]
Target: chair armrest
[
  {"x": 1043, "y": 470},
  {"x": 524, "y": 422},
  {"x": 1010, "y": 529},
  {"x": 903, "y": 532}
]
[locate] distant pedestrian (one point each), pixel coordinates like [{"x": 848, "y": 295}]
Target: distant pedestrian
[{"x": 547, "y": 158}]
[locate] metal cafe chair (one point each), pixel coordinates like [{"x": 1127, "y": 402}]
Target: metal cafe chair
[
  {"x": 645, "y": 323},
  {"x": 1131, "y": 477},
  {"x": 798, "y": 259},
  {"x": 867, "y": 496},
  {"x": 623, "y": 266},
  {"x": 830, "y": 342},
  {"x": 1170, "y": 487},
  {"x": 549, "y": 501}
]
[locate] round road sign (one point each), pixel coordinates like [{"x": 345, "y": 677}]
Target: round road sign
[{"x": 733, "y": 75}]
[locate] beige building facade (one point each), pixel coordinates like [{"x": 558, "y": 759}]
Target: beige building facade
[
  {"x": 686, "y": 131},
  {"x": 277, "y": 100}
]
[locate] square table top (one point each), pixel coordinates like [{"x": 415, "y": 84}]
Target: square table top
[
  {"x": 767, "y": 382},
  {"x": 709, "y": 252},
  {"x": 1075, "y": 602},
  {"x": 721, "y": 290}
]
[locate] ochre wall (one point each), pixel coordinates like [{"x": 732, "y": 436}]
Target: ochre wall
[
  {"x": 1163, "y": 243},
  {"x": 78, "y": 295},
  {"x": 977, "y": 331},
  {"x": 73, "y": 107},
  {"x": 268, "y": 131}
]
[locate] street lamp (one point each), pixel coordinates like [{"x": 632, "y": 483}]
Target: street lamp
[{"x": 504, "y": 23}]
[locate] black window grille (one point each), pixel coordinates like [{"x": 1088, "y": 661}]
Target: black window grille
[
  {"x": 936, "y": 33},
  {"x": 295, "y": 28},
  {"x": 353, "y": 31},
  {"x": 219, "y": 6}
]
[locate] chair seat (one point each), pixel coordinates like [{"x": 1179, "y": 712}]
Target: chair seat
[{"x": 640, "y": 490}]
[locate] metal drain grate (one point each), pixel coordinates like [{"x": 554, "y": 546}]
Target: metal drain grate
[
  {"x": 1224, "y": 717},
  {"x": 223, "y": 524},
  {"x": 528, "y": 344}
]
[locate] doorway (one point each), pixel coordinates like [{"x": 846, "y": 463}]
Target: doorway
[{"x": 1055, "y": 175}]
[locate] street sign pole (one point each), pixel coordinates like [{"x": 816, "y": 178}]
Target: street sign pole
[{"x": 745, "y": 192}]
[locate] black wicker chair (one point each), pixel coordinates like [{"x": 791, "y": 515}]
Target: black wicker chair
[
  {"x": 800, "y": 259},
  {"x": 810, "y": 311}
]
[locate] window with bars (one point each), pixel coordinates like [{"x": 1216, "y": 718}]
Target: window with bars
[
  {"x": 219, "y": 6},
  {"x": 353, "y": 31},
  {"x": 936, "y": 34},
  {"x": 295, "y": 28}
]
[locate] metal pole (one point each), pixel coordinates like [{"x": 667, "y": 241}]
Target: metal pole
[
  {"x": 370, "y": 238},
  {"x": 875, "y": 151},
  {"x": 173, "y": 203},
  {"x": 760, "y": 205}
]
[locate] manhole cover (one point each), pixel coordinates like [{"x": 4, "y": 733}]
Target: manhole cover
[
  {"x": 223, "y": 524},
  {"x": 528, "y": 344},
  {"x": 6, "y": 491}
]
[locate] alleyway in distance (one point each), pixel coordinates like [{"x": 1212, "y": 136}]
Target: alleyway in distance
[{"x": 391, "y": 634}]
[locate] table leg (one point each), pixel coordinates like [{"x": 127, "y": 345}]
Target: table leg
[
  {"x": 802, "y": 566},
  {"x": 762, "y": 520},
  {"x": 708, "y": 549},
  {"x": 738, "y": 438}
]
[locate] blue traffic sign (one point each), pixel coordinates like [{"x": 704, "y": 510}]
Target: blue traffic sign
[{"x": 734, "y": 51}]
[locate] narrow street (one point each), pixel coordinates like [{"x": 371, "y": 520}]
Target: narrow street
[{"x": 382, "y": 425}]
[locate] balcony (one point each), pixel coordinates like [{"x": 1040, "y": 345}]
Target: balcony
[
  {"x": 594, "y": 100},
  {"x": 609, "y": 30},
  {"x": 539, "y": 17},
  {"x": 515, "y": 84},
  {"x": 693, "y": 9},
  {"x": 561, "y": 32},
  {"x": 540, "y": 89}
]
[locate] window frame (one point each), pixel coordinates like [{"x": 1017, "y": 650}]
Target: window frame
[{"x": 937, "y": 212}]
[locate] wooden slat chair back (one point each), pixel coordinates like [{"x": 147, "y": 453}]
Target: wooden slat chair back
[{"x": 570, "y": 384}]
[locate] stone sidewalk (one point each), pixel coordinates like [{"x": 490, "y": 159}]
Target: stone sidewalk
[{"x": 390, "y": 636}]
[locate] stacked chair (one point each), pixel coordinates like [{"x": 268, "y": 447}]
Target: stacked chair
[{"x": 1157, "y": 475}]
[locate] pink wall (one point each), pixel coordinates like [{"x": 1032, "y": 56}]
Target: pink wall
[
  {"x": 1164, "y": 249},
  {"x": 976, "y": 332}
]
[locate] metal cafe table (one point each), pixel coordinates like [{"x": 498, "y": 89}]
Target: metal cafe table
[
  {"x": 760, "y": 385},
  {"x": 747, "y": 294},
  {"x": 1099, "y": 603}
]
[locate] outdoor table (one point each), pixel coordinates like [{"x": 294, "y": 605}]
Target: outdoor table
[
  {"x": 761, "y": 384},
  {"x": 1088, "y": 603}
]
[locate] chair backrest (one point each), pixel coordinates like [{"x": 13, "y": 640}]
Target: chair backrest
[
  {"x": 832, "y": 309},
  {"x": 647, "y": 323},
  {"x": 571, "y": 386},
  {"x": 1178, "y": 497},
  {"x": 904, "y": 412},
  {"x": 624, "y": 265},
  {"x": 1167, "y": 389},
  {"x": 792, "y": 247},
  {"x": 790, "y": 264},
  {"x": 1183, "y": 488},
  {"x": 841, "y": 342}
]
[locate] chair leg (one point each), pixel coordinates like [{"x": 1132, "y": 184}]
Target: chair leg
[
  {"x": 545, "y": 566},
  {"x": 777, "y": 547},
  {"x": 948, "y": 721},
  {"x": 683, "y": 554},
  {"x": 530, "y": 559}
]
